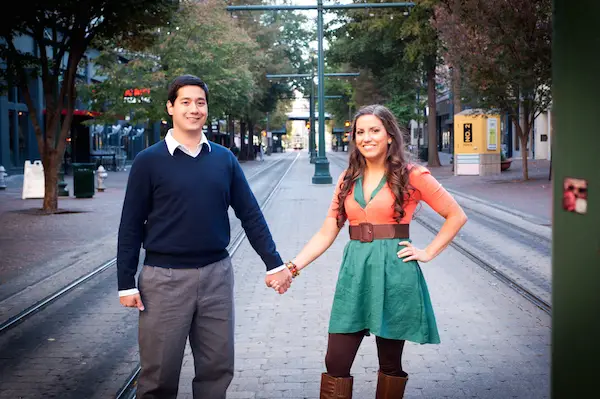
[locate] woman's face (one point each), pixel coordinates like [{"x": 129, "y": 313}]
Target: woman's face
[{"x": 372, "y": 139}]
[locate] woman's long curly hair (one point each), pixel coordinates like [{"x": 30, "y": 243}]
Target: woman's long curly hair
[{"x": 396, "y": 166}]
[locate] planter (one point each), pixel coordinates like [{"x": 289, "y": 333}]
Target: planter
[{"x": 504, "y": 165}]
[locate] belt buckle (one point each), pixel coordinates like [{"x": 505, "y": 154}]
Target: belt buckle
[{"x": 366, "y": 232}]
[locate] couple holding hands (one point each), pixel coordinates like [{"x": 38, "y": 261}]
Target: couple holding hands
[{"x": 176, "y": 202}]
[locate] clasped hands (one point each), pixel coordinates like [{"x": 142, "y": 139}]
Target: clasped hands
[{"x": 280, "y": 281}]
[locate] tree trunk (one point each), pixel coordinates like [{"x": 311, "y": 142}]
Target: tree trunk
[
  {"x": 231, "y": 128},
  {"x": 51, "y": 161},
  {"x": 523, "y": 135},
  {"x": 243, "y": 149},
  {"x": 433, "y": 159},
  {"x": 456, "y": 85},
  {"x": 456, "y": 90},
  {"x": 251, "y": 154},
  {"x": 525, "y": 155}
]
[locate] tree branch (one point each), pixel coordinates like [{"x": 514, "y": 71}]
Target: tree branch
[{"x": 58, "y": 56}]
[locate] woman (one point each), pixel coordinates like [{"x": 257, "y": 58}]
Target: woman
[{"x": 380, "y": 288}]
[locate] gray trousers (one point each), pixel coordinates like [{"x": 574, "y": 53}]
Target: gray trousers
[{"x": 182, "y": 303}]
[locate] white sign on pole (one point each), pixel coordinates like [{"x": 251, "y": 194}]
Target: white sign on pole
[
  {"x": 492, "y": 134},
  {"x": 33, "y": 180}
]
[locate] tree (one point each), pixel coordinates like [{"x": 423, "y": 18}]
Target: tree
[
  {"x": 423, "y": 47},
  {"x": 372, "y": 43},
  {"x": 283, "y": 41},
  {"x": 392, "y": 50},
  {"x": 62, "y": 31},
  {"x": 185, "y": 45},
  {"x": 504, "y": 53}
]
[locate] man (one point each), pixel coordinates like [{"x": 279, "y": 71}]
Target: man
[{"x": 178, "y": 194}]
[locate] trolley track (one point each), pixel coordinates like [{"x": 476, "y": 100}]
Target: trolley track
[
  {"x": 519, "y": 288},
  {"x": 23, "y": 315}
]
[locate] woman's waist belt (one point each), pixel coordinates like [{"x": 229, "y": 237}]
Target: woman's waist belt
[{"x": 367, "y": 232}]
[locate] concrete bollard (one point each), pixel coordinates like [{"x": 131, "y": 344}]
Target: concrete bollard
[
  {"x": 3, "y": 175},
  {"x": 101, "y": 175}
]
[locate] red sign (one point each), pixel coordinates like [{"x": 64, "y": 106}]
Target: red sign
[{"x": 136, "y": 92}]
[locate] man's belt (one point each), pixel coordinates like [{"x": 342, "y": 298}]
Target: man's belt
[{"x": 367, "y": 232}]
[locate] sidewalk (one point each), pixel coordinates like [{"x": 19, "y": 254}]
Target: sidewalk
[
  {"x": 533, "y": 197},
  {"x": 34, "y": 246},
  {"x": 494, "y": 343}
]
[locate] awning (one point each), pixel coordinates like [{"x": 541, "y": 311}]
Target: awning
[{"x": 80, "y": 112}]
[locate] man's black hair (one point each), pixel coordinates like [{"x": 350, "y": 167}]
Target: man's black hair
[{"x": 185, "y": 80}]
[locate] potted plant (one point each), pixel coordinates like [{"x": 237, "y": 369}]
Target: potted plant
[{"x": 504, "y": 162}]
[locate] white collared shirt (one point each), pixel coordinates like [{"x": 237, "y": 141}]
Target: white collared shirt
[{"x": 173, "y": 144}]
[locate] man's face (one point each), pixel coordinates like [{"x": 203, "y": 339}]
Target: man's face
[{"x": 190, "y": 109}]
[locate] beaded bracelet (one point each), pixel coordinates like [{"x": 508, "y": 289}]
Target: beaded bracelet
[{"x": 293, "y": 268}]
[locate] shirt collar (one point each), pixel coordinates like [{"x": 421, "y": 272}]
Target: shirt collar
[{"x": 173, "y": 144}]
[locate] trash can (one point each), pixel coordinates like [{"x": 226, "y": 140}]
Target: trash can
[{"x": 83, "y": 180}]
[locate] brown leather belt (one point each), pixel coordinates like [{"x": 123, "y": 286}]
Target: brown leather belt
[{"x": 367, "y": 232}]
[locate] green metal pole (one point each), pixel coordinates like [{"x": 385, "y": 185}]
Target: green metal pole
[
  {"x": 575, "y": 238},
  {"x": 309, "y": 75},
  {"x": 322, "y": 175},
  {"x": 311, "y": 119},
  {"x": 320, "y": 6}
]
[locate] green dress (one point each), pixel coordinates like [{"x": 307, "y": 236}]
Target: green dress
[{"x": 379, "y": 292}]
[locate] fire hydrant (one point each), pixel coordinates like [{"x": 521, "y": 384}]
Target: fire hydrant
[
  {"x": 3, "y": 175},
  {"x": 101, "y": 175}
]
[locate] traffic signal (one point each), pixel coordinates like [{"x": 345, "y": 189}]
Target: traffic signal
[
  {"x": 308, "y": 125},
  {"x": 347, "y": 124},
  {"x": 264, "y": 133}
]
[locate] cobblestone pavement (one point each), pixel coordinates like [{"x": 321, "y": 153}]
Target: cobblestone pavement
[
  {"x": 85, "y": 344},
  {"x": 494, "y": 344}
]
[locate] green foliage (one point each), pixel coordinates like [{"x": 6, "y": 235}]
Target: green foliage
[
  {"x": 422, "y": 41},
  {"x": 390, "y": 48},
  {"x": 232, "y": 55},
  {"x": 403, "y": 106},
  {"x": 74, "y": 24},
  {"x": 373, "y": 41},
  {"x": 506, "y": 56},
  {"x": 186, "y": 45}
]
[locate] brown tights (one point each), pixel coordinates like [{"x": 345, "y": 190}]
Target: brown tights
[{"x": 342, "y": 349}]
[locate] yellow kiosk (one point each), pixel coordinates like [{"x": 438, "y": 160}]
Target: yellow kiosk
[{"x": 476, "y": 143}]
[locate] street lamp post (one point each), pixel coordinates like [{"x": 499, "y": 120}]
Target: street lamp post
[
  {"x": 322, "y": 175},
  {"x": 311, "y": 119}
]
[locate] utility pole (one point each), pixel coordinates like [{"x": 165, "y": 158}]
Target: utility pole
[{"x": 322, "y": 175}]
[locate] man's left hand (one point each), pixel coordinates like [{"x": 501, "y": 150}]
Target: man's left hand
[{"x": 279, "y": 281}]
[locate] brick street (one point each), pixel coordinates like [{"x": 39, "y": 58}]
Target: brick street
[{"x": 494, "y": 344}]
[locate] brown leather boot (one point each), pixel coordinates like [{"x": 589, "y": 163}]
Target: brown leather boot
[
  {"x": 390, "y": 387},
  {"x": 336, "y": 387}
]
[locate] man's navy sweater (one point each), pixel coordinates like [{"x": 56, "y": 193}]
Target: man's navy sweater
[{"x": 176, "y": 206}]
